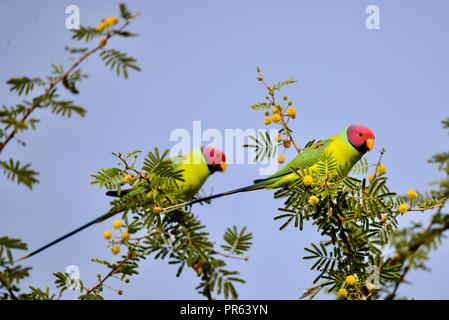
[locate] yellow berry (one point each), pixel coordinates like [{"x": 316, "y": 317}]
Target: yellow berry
[
  {"x": 125, "y": 236},
  {"x": 287, "y": 144},
  {"x": 412, "y": 194},
  {"x": 101, "y": 26},
  {"x": 103, "y": 41},
  {"x": 370, "y": 178},
  {"x": 110, "y": 21},
  {"x": 291, "y": 112},
  {"x": 157, "y": 210},
  {"x": 278, "y": 138},
  {"x": 351, "y": 280},
  {"x": 403, "y": 208},
  {"x": 342, "y": 293},
  {"x": 308, "y": 180},
  {"x": 267, "y": 120},
  {"x": 115, "y": 249},
  {"x": 285, "y": 98},
  {"x": 381, "y": 169},
  {"x": 128, "y": 178},
  {"x": 276, "y": 109},
  {"x": 313, "y": 200},
  {"x": 107, "y": 234},
  {"x": 281, "y": 159},
  {"x": 117, "y": 224},
  {"x": 276, "y": 117},
  {"x": 383, "y": 218}
]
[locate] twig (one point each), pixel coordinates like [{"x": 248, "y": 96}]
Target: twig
[
  {"x": 382, "y": 152},
  {"x": 11, "y": 293},
  {"x": 55, "y": 82},
  {"x": 273, "y": 102},
  {"x": 232, "y": 256},
  {"x": 413, "y": 249}
]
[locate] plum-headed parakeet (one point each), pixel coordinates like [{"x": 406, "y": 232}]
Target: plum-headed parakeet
[
  {"x": 347, "y": 147},
  {"x": 197, "y": 166}
]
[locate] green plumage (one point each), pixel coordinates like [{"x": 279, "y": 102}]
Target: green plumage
[
  {"x": 344, "y": 153},
  {"x": 195, "y": 173}
]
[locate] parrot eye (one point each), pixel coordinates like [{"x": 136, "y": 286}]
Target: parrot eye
[{"x": 360, "y": 134}]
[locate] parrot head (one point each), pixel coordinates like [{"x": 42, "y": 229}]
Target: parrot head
[
  {"x": 215, "y": 159},
  {"x": 361, "y": 137}
]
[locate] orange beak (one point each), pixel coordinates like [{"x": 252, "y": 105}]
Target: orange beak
[
  {"x": 370, "y": 144},
  {"x": 223, "y": 166}
]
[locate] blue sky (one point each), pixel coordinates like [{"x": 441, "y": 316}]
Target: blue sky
[{"x": 198, "y": 62}]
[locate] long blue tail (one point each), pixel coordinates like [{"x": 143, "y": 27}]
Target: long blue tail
[
  {"x": 71, "y": 233},
  {"x": 255, "y": 186},
  {"x": 165, "y": 210}
]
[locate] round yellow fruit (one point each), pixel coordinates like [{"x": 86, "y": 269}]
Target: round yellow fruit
[
  {"x": 276, "y": 117},
  {"x": 281, "y": 159},
  {"x": 412, "y": 194},
  {"x": 107, "y": 234},
  {"x": 157, "y": 210},
  {"x": 115, "y": 249},
  {"x": 267, "y": 120},
  {"x": 351, "y": 280},
  {"x": 291, "y": 112},
  {"x": 403, "y": 208},
  {"x": 342, "y": 293},
  {"x": 313, "y": 200},
  {"x": 125, "y": 236},
  {"x": 117, "y": 224},
  {"x": 307, "y": 180},
  {"x": 111, "y": 21}
]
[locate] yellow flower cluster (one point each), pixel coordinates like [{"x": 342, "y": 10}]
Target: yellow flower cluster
[
  {"x": 117, "y": 224},
  {"x": 313, "y": 200},
  {"x": 307, "y": 180},
  {"x": 106, "y": 23},
  {"x": 403, "y": 208},
  {"x": 277, "y": 114},
  {"x": 128, "y": 179},
  {"x": 412, "y": 194},
  {"x": 157, "y": 210},
  {"x": 124, "y": 237},
  {"x": 381, "y": 169},
  {"x": 342, "y": 293},
  {"x": 281, "y": 159},
  {"x": 351, "y": 280},
  {"x": 115, "y": 250}
]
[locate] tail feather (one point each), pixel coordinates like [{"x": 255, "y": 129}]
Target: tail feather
[
  {"x": 255, "y": 186},
  {"x": 71, "y": 233},
  {"x": 114, "y": 193}
]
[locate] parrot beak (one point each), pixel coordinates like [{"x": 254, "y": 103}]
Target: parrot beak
[
  {"x": 370, "y": 144},
  {"x": 223, "y": 166}
]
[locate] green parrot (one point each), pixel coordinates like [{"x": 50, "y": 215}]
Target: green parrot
[
  {"x": 347, "y": 147},
  {"x": 197, "y": 166}
]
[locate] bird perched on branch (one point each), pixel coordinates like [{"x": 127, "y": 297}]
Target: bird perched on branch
[
  {"x": 197, "y": 166},
  {"x": 347, "y": 147}
]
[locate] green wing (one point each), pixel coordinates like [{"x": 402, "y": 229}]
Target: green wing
[{"x": 306, "y": 159}]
